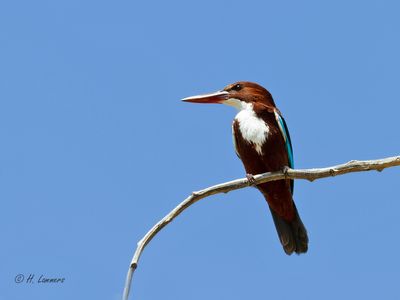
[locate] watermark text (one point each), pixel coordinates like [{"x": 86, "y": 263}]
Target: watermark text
[{"x": 38, "y": 279}]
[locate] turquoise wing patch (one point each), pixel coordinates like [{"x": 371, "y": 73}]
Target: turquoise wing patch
[
  {"x": 286, "y": 137},
  {"x": 288, "y": 142}
]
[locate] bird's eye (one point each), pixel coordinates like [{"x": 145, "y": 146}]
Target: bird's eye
[{"x": 237, "y": 87}]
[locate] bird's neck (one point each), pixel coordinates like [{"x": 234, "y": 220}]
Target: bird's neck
[{"x": 252, "y": 128}]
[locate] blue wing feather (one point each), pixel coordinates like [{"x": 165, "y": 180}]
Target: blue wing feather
[{"x": 288, "y": 143}]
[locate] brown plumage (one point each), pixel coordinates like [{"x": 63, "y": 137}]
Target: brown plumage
[{"x": 264, "y": 153}]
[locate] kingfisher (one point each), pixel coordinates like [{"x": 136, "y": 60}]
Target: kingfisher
[{"x": 262, "y": 142}]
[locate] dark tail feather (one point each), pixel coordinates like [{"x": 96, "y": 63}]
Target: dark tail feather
[{"x": 293, "y": 235}]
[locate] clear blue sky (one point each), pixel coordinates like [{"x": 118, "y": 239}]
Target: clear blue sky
[{"x": 96, "y": 147}]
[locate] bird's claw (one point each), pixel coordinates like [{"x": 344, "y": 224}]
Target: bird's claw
[
  {"x": 285, "y": 171},
  {"x": 251, "y": 179}
]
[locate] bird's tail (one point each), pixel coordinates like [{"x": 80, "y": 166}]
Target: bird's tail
[{"x": 293, "y": 234}]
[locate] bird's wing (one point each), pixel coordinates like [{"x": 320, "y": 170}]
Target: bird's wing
[{"x": 288, "y": 143}]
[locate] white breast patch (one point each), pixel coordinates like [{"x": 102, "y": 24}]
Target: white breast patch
[{"x": 253, "y": 129}]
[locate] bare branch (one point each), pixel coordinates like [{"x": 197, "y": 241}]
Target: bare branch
[{"x": 309, "y": 174}]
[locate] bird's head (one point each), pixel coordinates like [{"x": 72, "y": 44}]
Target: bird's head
[{"x": 239, "y": 95}]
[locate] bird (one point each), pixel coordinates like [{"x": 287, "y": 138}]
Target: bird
[{"x": 262, "y": 142}]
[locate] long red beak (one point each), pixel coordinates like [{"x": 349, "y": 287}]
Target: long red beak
[{"x": 217, "y": 97}]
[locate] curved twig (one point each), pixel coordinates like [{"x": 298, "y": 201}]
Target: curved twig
[{"x": 309, "y": 174}]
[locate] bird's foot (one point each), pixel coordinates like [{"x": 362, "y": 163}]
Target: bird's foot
[
  {"x": 251, "y": 179},
  {"x": 285, "y": 171}
]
